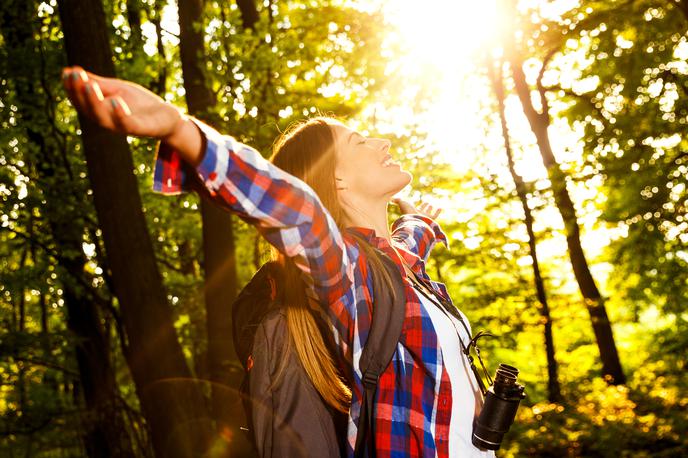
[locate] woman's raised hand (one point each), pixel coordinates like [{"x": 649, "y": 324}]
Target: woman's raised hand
[
  {"x": 131, "y": 109},
  {"x": 119, "y": 105},
  {"x": 423, "y": 208}
]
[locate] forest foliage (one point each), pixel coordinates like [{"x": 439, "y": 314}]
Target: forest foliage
[{"x": 612, "y": 75}]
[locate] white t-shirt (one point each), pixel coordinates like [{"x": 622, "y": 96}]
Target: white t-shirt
[{"x": 466, "y": 396}]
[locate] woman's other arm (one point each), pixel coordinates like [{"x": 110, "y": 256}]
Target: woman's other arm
[{"x": 417, "y": 228}]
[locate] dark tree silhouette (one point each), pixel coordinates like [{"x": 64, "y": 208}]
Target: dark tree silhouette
[
  {"x": 172, "y": 402},
  {"x": 539, "y": 122},
  {"x": 553, "y": 388},
  {"x": 105, "y": 433}
]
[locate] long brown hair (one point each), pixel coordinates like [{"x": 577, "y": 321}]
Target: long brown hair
[{"x": 307, "y": 151}]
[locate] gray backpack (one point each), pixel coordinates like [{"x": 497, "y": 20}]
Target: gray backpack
[{"x": 290, "y": 419}]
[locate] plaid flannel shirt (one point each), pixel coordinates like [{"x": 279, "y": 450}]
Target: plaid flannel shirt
[{"x": 413, "y": 403}]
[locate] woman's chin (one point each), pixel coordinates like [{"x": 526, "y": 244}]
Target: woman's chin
[
  {"x": 404, "y": 179},
  {"x": 387, "y": 185},
  {"x": 408, "y": 178}
]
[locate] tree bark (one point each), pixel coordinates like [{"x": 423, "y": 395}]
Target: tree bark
[
  {"x": 553, "y": 387},
  {"x": 21, "y": 327},
  {"x": 160, "y": 83},
  {"x": 683, "y": 7},
  {"x": 220, "y": 287},
  {"x": 172, "y": 401},
  {"x": 539, "y": 123},
  {"x": 105, "y": 433},
  {"x": 134, "y": 20},
  {"x": 249, "y": 13}
]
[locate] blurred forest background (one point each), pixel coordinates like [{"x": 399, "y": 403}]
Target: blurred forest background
[{"x": 552, "y": 132}]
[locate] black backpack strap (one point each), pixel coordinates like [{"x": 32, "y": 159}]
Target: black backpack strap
[
  {"x": 389, "y": 308},
  {"x": 251, "y": 305}
]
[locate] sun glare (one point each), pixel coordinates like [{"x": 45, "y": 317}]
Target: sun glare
[
  {"x": 446, "y": 34},
  {"x": 444, "y": 45},
  {"x": 451, "y": 42},
  {"x": 447, "y": 40}
]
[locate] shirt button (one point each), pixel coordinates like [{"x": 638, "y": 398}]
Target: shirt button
[{"x": 444, "y": 402}]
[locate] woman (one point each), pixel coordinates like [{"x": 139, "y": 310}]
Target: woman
[{"x": 329, "y": 187}]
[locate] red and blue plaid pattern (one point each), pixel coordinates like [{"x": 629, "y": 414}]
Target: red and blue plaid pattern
[{"x": 413, "y": 402}]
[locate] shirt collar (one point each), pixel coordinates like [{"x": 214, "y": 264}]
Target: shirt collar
[
  {"x": 366, "y": 233},
  {"x": 409, "y": 258}
]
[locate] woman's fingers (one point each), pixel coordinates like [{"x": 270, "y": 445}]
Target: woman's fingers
[
  {"x": 106, "y": 108},
  {"x": 423, "y": 208},
  {"x": 74, "y": 81},
  {"x": 96, "y": 105},
  {"x": 109, "y": 86},
  {"x": 404, "y": 206},
  {"x": 119, "y": 105},
  {"x": 428, "y": 210},
  {"x": 121, "y": 114}
]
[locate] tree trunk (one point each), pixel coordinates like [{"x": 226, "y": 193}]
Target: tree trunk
[
  {"x": 134, "y": 20},
  {"x": 172, "y": 401},
  {"x": 219, "y": 263},
  {"x": 249, "y": 13},
  {"x": 160, "y": 83},
  {"x": 553, "y": 388},
  {"x": 539, "y": 123},
  {"x": 20, "y": 328},
  {"x": 105, "y": 434},
  {"x": 682, "y": 6}
]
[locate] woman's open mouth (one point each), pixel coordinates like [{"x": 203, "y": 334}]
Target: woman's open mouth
[{"x": 387, "y": 161}]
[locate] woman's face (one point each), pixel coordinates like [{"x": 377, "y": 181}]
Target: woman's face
[{"x": 365, "y": 168}]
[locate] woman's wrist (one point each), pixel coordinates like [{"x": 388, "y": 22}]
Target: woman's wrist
[{"x": 186, "y": 140}]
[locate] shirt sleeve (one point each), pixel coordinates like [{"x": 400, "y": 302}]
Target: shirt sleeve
[
  {"x": 419, "y": 233},
  {"x": 284, "y": 209},
  {"x": 173, "y": 176}
]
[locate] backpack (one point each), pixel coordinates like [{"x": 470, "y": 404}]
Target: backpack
[{"x": 290, "y": 419}]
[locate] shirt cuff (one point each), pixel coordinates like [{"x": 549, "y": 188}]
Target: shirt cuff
[
  {"x": 171, "y": 175},
  {"x": 432, "y": 226}
]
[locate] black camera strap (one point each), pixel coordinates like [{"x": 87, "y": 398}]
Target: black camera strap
[{"x": 447, "y": 309}]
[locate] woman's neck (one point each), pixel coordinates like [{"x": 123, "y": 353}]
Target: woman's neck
[{"x": 371, "y": 215}]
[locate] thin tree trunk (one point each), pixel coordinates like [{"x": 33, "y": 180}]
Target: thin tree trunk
[
  {"x": 553, "y": 388},
  {"x": 256, "y": 251},
  {"x": 249, "y": 13},
  {"x": 172, "y": 401},
  {"x": 21, "y": 322},
  {"x": 49, "y": 379},
  {"x": 219, "y": 257},
  {"x": 160, "y": 84},
  {"x": 539, "y": 123},
  {"x": 134, "y": 20},
  {"x": 683, "y": 7}
]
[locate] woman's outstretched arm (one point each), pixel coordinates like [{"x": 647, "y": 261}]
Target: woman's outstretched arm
[
  {"x": 284, "y": 209},
  {"x": 128, "y": 108}
]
